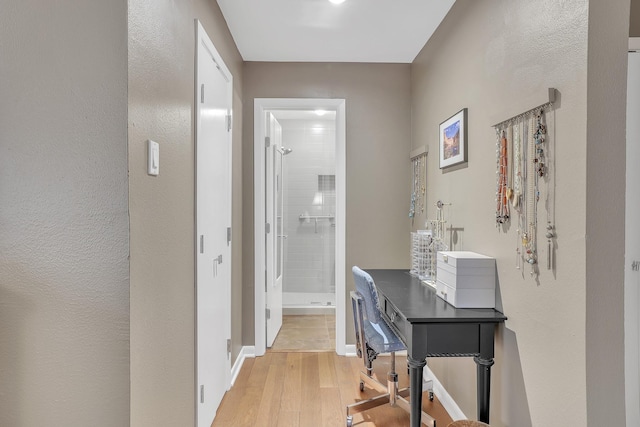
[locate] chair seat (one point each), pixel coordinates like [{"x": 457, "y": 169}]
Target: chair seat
[{"x": 381, "y": 338}]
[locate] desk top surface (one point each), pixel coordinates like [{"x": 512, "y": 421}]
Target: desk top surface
[{"x": 418, "y": 303}]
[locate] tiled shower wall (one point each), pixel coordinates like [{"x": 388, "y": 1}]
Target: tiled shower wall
[{"x": 309, "y": 189}]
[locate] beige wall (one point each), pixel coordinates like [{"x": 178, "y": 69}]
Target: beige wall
[
  {"x": 64, "y": 238},
  {"x": 377, "y": 114},
  {"x": 497, "y": 59},
  {"x": 161, "y": 94},
  {"x": 605, "y": 207}
]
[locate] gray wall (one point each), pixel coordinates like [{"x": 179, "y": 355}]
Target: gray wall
[
  {"x": 634, "y": 21},
  {"x": 377, "y": 113},
  {"x": 605, "y": 209},
  {"x": 514, "y": 51},
  {"x": 161, "y": 95},
  {"x": 64, "y": 238}
]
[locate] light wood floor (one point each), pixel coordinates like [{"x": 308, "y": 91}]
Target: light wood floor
[
  {"x": 306, "y": 333},
  {"x": 303, "y": 389}
]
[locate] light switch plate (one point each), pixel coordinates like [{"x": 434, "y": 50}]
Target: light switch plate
[{"x": 153, "y": 158}]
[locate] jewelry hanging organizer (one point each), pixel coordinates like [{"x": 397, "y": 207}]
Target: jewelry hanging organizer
[
  {"x": 523, "y": 169},
  {"x": 418, "y": 181}
]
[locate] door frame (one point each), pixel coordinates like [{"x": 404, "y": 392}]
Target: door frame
[
  {"x": 261, "y": 106},
  {"x": 208, "y": 48}
]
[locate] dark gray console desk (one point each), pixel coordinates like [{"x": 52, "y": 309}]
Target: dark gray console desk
[{"x": 431, "y": 327}]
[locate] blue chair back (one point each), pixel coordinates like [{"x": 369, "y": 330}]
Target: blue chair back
[{"x": 366, "y": 288}]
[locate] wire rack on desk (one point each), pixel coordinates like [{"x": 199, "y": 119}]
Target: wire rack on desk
[{"x": 421, "y": 256}]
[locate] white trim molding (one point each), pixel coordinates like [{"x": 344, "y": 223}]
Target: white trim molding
[
  {"x": 245, "y": 353},
  {"x": 261, "y": 106}
]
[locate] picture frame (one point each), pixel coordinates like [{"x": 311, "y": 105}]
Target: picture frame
[{"x": 453, "y": 140}]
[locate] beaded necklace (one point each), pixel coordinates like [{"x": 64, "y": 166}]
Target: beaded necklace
[
  {"x": 418, "y": 185},
  {"x": 502, "y": 198},
  {"x": 536, "y": 165}
]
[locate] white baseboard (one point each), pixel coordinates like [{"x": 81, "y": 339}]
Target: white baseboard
[
  {"x": 309, "y": 310},
  {"x": 350, "y": 350},
  {"x": 245, "y": 352},
  {"x": 443, "y": 396}
]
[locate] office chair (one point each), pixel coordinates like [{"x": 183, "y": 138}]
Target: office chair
[{"x": 374, "y": 336}]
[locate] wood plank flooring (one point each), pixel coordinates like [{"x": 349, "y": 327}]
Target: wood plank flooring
[
  {"x": 302, "y": 389},
  {"x": 306, "y": 333}
]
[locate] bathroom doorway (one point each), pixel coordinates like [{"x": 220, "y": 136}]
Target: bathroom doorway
[
  {"x": 309, "y": 230},
  {"x": 306, "y": 228}
]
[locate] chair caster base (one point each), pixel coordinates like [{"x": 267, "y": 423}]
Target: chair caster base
[{"x": 361, "y": 386}]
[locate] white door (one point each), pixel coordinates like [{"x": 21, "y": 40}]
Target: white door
[
  {"x": 632, "y": 244},
  {"x": 213, "y": 222},
  {"x": 275, "y": 231}
]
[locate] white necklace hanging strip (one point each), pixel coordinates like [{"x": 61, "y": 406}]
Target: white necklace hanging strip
[
  {"x": 522, "y": 163},
  {"x": 423, "y": 181},
  {"x": 418, "y": 184},
  {"x": 412, "y": 206}
]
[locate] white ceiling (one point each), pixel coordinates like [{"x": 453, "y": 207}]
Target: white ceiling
[{"x": 391, "y": 31}]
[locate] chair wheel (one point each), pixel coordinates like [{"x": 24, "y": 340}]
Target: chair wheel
[
  {"x": 349, "y": 421},
  {"x": 361, "y": 385},
  {"x": 431, "y": 396}
]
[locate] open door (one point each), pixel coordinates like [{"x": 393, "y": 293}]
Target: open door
[{"x": 275, "y": 230}]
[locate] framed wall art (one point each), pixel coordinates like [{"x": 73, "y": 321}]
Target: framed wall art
[{"x": 453, "y": 140}]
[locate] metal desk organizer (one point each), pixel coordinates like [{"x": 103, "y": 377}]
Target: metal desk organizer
[{"x": 431, "y": 327}]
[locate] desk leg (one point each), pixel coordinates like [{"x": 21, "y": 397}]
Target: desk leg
[
  {"x": 484, "y": 387},
  {"x": 415, "y": 389}
]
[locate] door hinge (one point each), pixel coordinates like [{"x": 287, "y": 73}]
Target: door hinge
[
  {"x": 202, "y": 93},
  {"x": 267, "y": 228},
  {"x": 228, "y": 122},
  {"x": 268, "y": 313},
  {"x": 202, "y": 393},
  {"x": 228, "y": 235},
  {"x": 229, "y": 346},
  {"x": 267, "y": 141},
  {"x": 202, "y": 243}
]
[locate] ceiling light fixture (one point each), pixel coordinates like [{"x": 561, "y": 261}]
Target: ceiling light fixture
[
  {"x": 320, "y": 112},
  {"x": 337, "y": 1}
]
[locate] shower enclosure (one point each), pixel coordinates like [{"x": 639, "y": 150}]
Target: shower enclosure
[{"x": 309, "y": 196}]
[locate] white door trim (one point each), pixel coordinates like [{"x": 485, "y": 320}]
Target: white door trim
[{"x": 261, "y": 105}]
